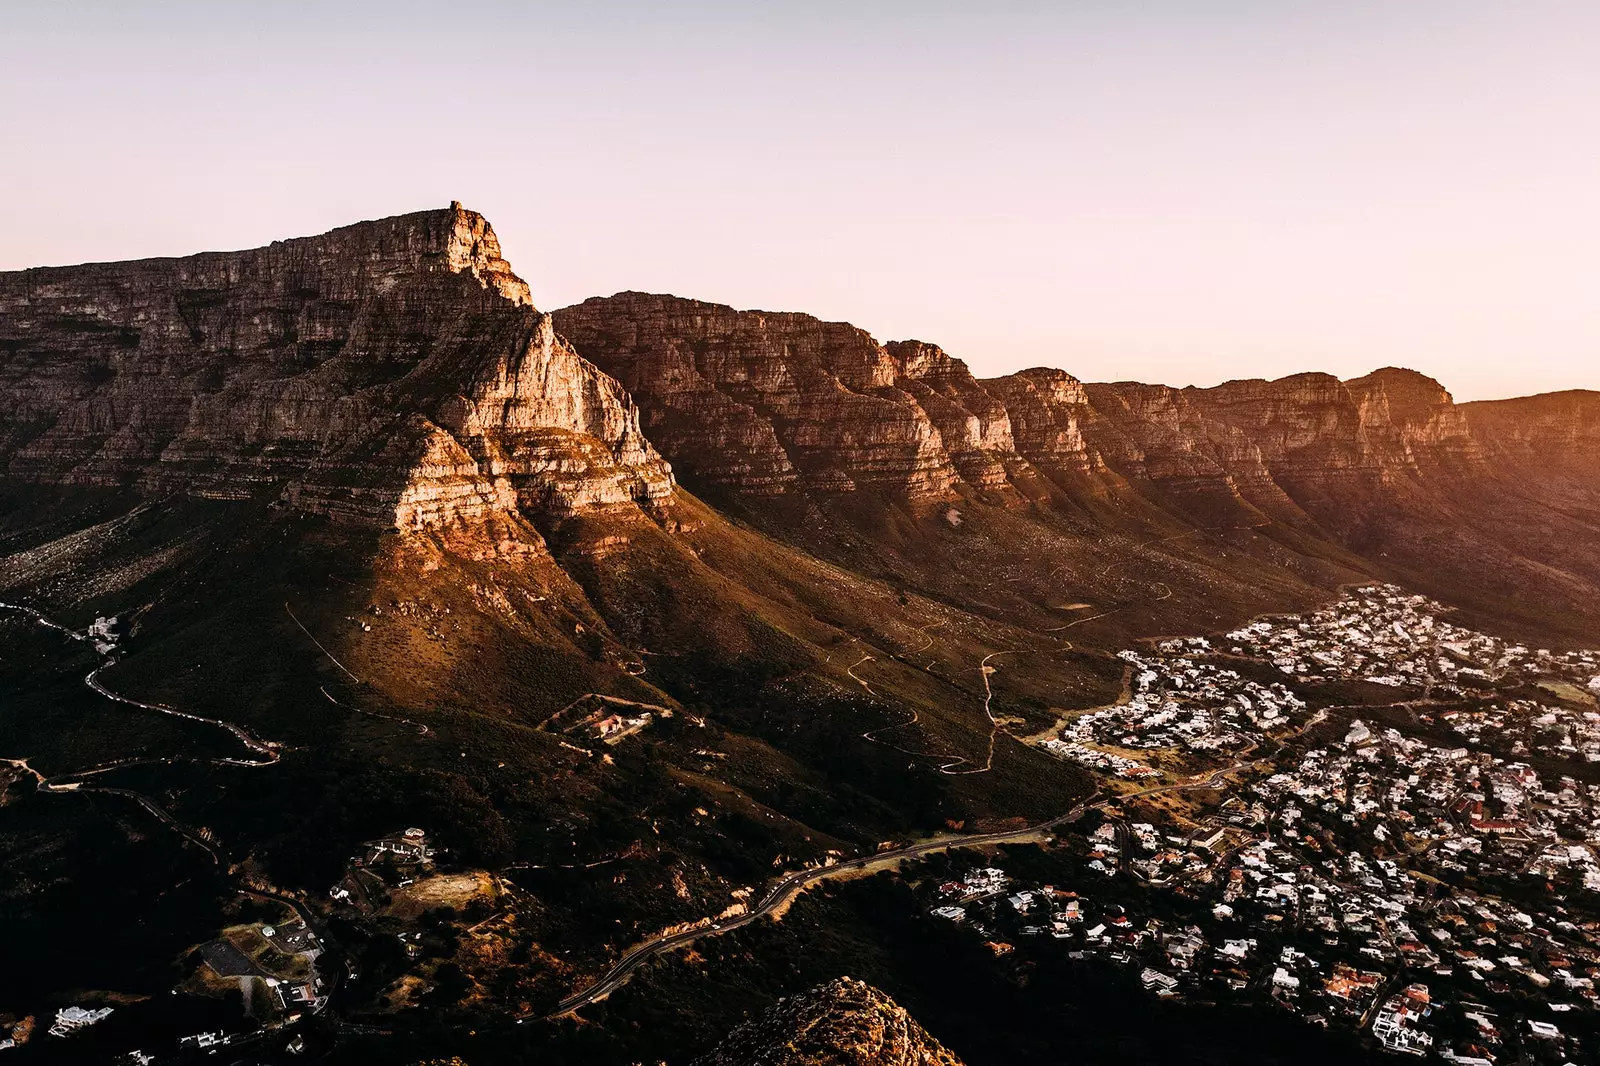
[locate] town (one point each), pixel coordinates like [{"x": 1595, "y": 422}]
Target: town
[
  {"x": 1367, "y": 817},
  {"x": 1424, "y": 870}
]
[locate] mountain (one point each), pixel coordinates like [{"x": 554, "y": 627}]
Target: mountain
[
  {"x": 751, "y": 405},
  {"x": 390, "y": 373},
  {"x": 631, "y": 604},
  {"x": 842, "y": 1023}
]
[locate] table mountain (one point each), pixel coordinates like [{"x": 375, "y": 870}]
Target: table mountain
[
  {"x": 356, "y": 494},
  {"x": 392, "y": 373}
]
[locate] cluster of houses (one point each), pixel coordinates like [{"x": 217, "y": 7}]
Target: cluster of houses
[
  {"x": 1108, "y": 762},
  {"x": 1177, "y": 701},
  {"x": 1398, "y": 1023},
  {"x": 70, "y": 1020},
  {"x": 1320, "y": 937},
  {"x": 608, "y": 719},
  {"x": 396, "y": 860},
  {"x": 1522, "y": 727},
  {"x": 280, "y": 960},
  {"x": 1383, "y": 635},
  {"x": 1386, "y": 880}
]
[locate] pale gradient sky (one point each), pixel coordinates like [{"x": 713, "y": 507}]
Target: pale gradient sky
[{"x": 1184, "y": 192}]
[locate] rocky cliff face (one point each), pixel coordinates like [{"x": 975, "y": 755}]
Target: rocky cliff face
[
  {"x": 396, "y": 373},
  {"x": 1314, "y": 430},
  {"x": 763, "y": 404},
  {"x": 974, "y": 426},
  {"x": 1492, "y": 504},
  {"x": 1048, "y": 410},
  {"x": 1557, "y": 432},
  {"x": 842, "y": 1023},
  {"x": 767, "y": 404},
  {"x": 392, "y": 372}
]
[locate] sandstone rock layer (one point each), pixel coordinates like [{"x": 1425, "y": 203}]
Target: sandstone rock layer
[{"x": 392, "y": 372}]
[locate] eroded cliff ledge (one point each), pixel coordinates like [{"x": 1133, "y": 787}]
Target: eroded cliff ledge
[
  {"x": 765, "y": 404},
  {"x": 392, "y": 372}
]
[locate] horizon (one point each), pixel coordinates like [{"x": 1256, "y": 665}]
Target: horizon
[
  {"x": 1082, "y": 516},
  {"x": 1188, "y": 194},
  {"x": 509, "y": 258}
]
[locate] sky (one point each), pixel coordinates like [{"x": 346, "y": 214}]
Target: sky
[{"x": 1184, "y": 192}]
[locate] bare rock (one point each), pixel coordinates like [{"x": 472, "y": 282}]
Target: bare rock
[
  {"x": 764, "y": 403},
  {"x": 392, "y": 372},
  {"x": 842, "y": 1023}
]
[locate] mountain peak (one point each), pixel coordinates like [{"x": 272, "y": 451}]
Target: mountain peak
[{"x": 329, "y": 369}]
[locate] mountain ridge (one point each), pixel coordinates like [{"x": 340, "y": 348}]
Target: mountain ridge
[
  {"x": 392, "y": 372},
  {"x": 358, "y": 496},
  {"x": 396, "y": 374}
]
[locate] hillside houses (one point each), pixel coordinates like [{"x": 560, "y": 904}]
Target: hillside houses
[{"x": 1364, "y": 876}]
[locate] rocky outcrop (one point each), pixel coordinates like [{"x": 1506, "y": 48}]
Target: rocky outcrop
[
  {"x": 1305, "y": 443},
  {"x": 764, "y": 403},
  {"x": 974, "y": 425},
  {"x": 392, "y": 372},
  {"x": 1558, "y": 431},
  {"x": 1047, "y": 410},
  {"x": 1162, "y": 437},
  {"x": 1314, "y": 430},
  {"x": 1413, "y": 424},
  {"x": 842, "y": 1023}
]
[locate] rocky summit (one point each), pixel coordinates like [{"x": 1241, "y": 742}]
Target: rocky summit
[
  {"x": 842, "y": 1023},
  {"x": 393, "y": 373}
]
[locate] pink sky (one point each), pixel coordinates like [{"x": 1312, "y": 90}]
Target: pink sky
[{"x": 1179, "y": 192}]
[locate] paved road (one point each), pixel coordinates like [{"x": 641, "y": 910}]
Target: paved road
[
  {"x": 791, "y": 885},
  {"x": 159, "y": 812},
  {"x": 266, "y": 750},
  {"x": 786, "y": 888}
]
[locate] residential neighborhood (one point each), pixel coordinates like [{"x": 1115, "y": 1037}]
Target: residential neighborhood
[{"x": 1424, "y": 871}]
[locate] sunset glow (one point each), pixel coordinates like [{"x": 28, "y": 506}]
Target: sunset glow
[{"x": 1186, "y": 192}]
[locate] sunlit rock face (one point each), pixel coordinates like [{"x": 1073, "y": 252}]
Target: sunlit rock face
[
  {"x": 762, "y": 404},
  {"x": 766, "y": 404},
  {"x": 974, "y": 425},
  {"x": 842, "y": 1023},
  {"x": 1046, "y": 410},
  {"x": 392, "y": 372},
  {"x": 1306, "y": 442},
  {"x": 1559, "y": 431},
  {"x": 1382, "y": 428}
]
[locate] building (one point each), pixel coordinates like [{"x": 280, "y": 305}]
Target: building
[{"x": 71, "y": 1019}]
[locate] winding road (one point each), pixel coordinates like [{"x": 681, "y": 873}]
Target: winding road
[
  {"x": 267, "y": 752},
  {"x": 789, "y": 886},
  {"x": 73, "y": 781}
]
